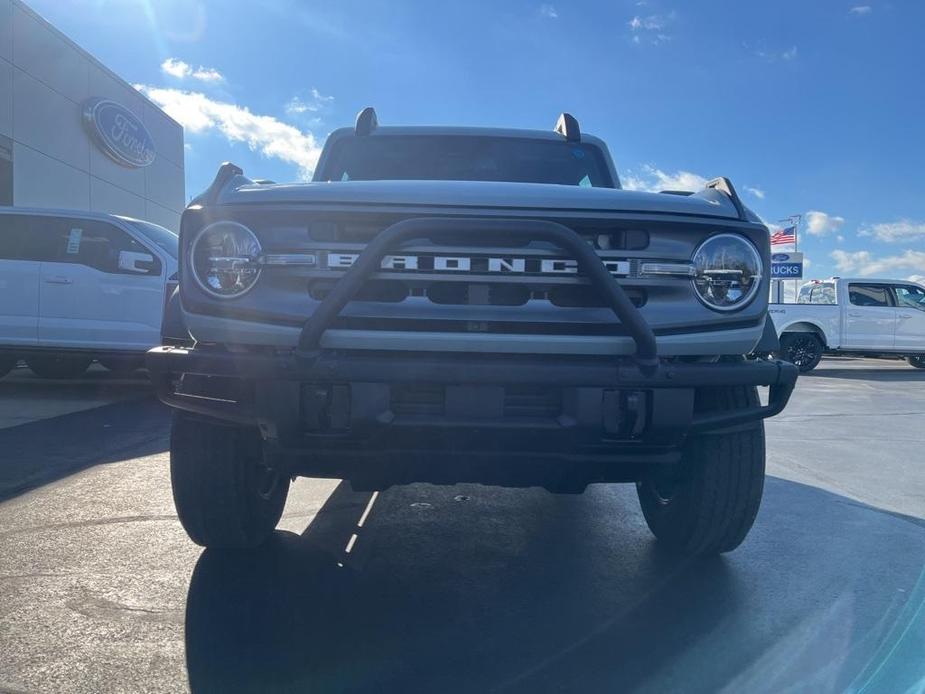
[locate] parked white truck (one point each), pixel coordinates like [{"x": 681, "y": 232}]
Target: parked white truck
[
  {"x": 77, "y": 286},
  {"x": 845, "y": 315}
]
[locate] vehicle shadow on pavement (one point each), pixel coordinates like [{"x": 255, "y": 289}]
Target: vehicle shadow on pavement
[
  {"x": 475, "y": 589},
  {"x": 41, "y": 452}
]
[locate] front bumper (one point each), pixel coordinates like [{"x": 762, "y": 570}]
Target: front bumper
[
  {"x": 255, "y": 389},
  {"x": 558, "y": 424}
]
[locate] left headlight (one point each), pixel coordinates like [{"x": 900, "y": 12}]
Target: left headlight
[
  {"x": 223, "y": 259},
  {"x": 727, "y": 272}
]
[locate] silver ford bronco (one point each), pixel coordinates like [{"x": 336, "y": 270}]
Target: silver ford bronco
[{"x": 452, "y": 305}]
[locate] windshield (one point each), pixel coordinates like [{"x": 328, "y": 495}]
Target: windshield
[
  {"x": 465, "y": 158},
  {"x": 157, "y": 234}
]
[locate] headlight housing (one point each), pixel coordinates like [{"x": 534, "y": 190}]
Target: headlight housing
[
  {"x": 727, "y": 272},
  {"x": 223, "y": 259}
]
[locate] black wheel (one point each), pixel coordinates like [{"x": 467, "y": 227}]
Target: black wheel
[
  {"x": 123, "y": 366},
  {"x": 804, "y": 350},
  {"x": 917, "y": 361},
  {"x": 225, "y": 494},
  {"x": 58, "y": 365},
  {"x": 707, "y": 504},
  {"x": 7, "y": 364}
]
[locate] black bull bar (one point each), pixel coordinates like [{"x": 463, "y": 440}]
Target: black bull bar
[
  {"x": 399, "y": 234},
  {"x": 310, "y": 363}
]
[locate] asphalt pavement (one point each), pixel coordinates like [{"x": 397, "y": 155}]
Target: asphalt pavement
[{"x": 469, "y": 588}]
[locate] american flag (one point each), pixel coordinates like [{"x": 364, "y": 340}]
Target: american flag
[{"x": 784, "y": 236}]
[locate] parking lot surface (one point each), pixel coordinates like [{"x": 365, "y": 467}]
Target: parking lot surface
[
  {"x": 24, "y": 397},
  {"x": 467, "y": 588}
]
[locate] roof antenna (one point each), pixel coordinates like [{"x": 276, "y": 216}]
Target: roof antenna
[
  {"x": 366, "y": 121},
  {"x": 567, "y": 127}
]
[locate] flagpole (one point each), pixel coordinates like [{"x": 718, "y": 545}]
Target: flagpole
[
  {"x": 796, "y": 236},
  {"x": 795, "y": 220}
]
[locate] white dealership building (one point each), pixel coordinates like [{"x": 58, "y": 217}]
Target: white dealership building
[{"x": 73, "y": 134}]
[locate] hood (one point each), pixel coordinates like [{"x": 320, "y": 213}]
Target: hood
[{"x": 478, "y": 194}]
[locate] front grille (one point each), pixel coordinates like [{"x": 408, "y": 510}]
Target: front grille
[
  {"x": 476, "y": 293},
  {"x": 380, "y": 291},
  {"x": 577, "y": 296},
  {"x": 473, "y": 283},
  {"x": 465, "y": 294}
]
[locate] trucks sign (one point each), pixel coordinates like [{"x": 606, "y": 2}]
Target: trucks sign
[{"x": 787, "y": 266}]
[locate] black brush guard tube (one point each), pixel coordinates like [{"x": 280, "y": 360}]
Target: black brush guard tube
[
  {"x": 167, "y": 363},
  {"x": 400, "y": 233}
]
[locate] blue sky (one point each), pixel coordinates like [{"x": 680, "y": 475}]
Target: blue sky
[{"x": 810, "y": 108}]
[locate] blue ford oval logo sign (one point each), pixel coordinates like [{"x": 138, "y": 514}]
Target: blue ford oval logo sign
[
  {"x": 118, "y": 132},
  {"x": 780, "y": 257}
]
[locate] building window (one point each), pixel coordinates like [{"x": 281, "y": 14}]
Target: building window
[{"x": 6, "y": 171}]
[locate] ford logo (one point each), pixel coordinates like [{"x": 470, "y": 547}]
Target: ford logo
[
  {"x": 118, "y": 132},
  {"x": 780, "y": 257}
]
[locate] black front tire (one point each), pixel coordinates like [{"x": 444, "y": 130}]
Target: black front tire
[
  {"x": 225, "y": 494},
  {"x": 58, "y": 365},
  {"x": 708, "y": 503},
  {"x": 804, "y": 350},
  {"x": 916, "y": 361}
]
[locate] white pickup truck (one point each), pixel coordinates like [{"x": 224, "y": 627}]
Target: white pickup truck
[
  {"x": 77, "y": 286},
  {"x": 852, "y": 316}
]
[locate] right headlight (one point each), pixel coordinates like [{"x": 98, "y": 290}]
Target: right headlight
[
  {"x": 727, "y": 272},
  {"x": 223, "y": 259}
]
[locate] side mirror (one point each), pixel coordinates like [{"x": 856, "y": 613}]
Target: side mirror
[{"x": 132, "y": 261}]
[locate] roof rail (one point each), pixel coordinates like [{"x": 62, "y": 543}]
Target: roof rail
[
  {"x": 568, "y": 128},
  {"x": 724, "y": 185},
  {"x": 366, "y": 121}
]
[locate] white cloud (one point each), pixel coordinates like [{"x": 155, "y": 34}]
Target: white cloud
[
  {"x": 839, "y": 238},
  {"x": 207, "y": 74},
  {"x": 860, "y": 10},
  {"x": 653, "y": 180},
  {"x": 757, "y": 192},
  {"x": 314, "y": 103},
  {"x": 918, "y": 279},
  {"x": 197, "y": 113},
  {"x": 176, "y": 68},
  {"x": 549, "y": 12},
  {"x": 772, "y": 56},
  {"x": 181, "y": 70},
  {"x": 891, "y": 232},
  {"x": 652, "y": 27},
  {"x": 865, "y": 264},
  {"x": 821, "y": 224}
]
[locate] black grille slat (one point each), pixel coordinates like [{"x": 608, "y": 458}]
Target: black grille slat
[
  {"x": 418, "y": 399},
  {"x": 478, "y": 326}
]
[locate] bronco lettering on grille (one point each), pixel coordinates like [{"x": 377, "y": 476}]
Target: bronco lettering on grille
[{"x": 480, "y": 264}]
